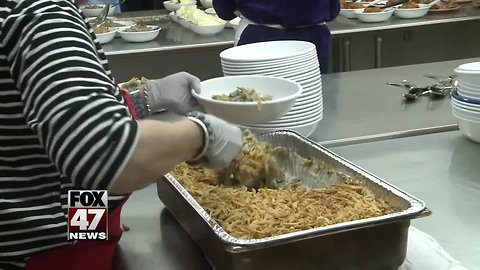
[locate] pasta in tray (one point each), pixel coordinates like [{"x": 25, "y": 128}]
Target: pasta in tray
[
  {"x": 263, "y": 211},
  {"x": 269, "y": 212}
]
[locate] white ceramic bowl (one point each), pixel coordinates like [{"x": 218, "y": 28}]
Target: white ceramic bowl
[
  {"x": 270, "y": 62},
  {"x": 469, "y": 92},
  {"x": 374, "y": 17},
  {"x": 206, "y": 3},
  {"x": 284, "y": 94},
  {"x": 94, "y": 12},
  {"x": 267, "y": 51},
  {"x": 140, "y": 36},
  {"x": 172, "y": 6},
  {"x": 106, "y": 37},
  {"x": 411, "y": 13},
  {"x": 469, "y": 127},
  {"x": 349, "y": 13},
  {"x": 207, "y": 30}
]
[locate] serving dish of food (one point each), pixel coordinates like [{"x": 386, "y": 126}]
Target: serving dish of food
[
  {"x": 112, "y": 23},
  {"x": 103, "y": 33},
  {"x": 288, "y": 203},
  {"x": 248, "y": 99},
  {"x": 445, "y": 6},
  {"x": 348, "y": 8},
  {"x": 139, "y": 32},
  {"x": 374, "y": 14},
  {"x": 198, "y": 21},
  {"x": 411, "y": 10}
]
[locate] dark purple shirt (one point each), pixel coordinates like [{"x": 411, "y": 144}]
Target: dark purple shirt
[{"x": 288, "y": 13}]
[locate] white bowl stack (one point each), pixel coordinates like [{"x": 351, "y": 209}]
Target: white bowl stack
[
  {"x": 294, "y": 60},
  {"x": 466, "y": 100}
]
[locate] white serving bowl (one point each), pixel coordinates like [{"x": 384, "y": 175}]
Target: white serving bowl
[
  {"x": 267, "y": 51},
  {"x": 172, "y": 6},
  {"x": 349, "y": 13},
  {"x": 469, "y": 128},
  {"x": 374, "y": 17},
  {"x": 140, "y": 36},
  {"x": 106, "y": 37},
  {"x": 94, "y": 12},
  {"x": 206, "y": 3},
  {"x": 284, "y": 94},
  {"x": 207, "y": 30},
  {"x": 411, "y": 13}
]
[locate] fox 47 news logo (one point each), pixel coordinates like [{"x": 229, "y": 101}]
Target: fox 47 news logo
[{"x": 87, "y": 215}]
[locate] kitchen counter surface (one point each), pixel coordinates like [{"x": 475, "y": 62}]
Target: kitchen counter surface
[{"x": 175, "y": 37}]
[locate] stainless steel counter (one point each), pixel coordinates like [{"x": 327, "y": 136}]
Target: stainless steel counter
[
  {"x": 439, "y": 168},
  {"x": 175, "y": 37}
]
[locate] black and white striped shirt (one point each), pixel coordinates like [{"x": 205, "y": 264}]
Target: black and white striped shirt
[{"x": 63, "y": 123}]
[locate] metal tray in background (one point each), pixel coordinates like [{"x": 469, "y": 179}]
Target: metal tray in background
[{"x": 370, "y": 244}]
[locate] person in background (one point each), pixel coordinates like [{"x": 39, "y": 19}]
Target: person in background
[
  {"x": 65, "y": 125},
  {"x": 104, "y": 2},
  {"x": 265, "y": 20}
]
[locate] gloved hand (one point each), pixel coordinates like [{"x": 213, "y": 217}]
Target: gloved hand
[
  {"x": 173, "y": 93},
  {"x": 226, "y": 144}
]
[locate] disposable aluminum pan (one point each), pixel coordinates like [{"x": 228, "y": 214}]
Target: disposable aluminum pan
[{"x": 368, "y": 244}]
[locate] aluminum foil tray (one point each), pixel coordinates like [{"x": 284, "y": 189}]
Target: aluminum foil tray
[{"x": 374, "y": 243}]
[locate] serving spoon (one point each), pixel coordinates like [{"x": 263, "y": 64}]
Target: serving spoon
[{"x": 102, "y": 16}]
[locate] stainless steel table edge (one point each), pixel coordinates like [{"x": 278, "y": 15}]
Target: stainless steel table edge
[
  {"x": 169, "y": 48},
  {"x": 388, "y": 136}
]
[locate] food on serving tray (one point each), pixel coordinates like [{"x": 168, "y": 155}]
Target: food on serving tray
[
  {"x": 372, "y": 10},
  {"x": 409, "y": 5},
  {"x": 110, "y": 23},
  {"x": 243, "y": 94},
  {"x": 135, "y": 83},
  {"x": 93, "y": 7},
  {"x": 198, "y": 16},
  {"x": 140, "y": 27},
  {"x": 100, "y": 29},
  {"x": 351, "y": 5},
  {"x": 264, "y": 212}
]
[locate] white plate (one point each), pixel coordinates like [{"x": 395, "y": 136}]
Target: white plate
[
  {"x": 269, "y": 50},
  {"x": 270, "y": 63},
  {"x": 307, "y": 63}
]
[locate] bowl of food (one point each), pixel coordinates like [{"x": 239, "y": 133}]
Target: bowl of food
[
  {"x": 348, "y": 9},
  {"x": 94, "y": 10},
  {"x": 248, "y": 99},
  {"x": 104, "y": 34},
  {"x": 139, "y": 33},
  {"x": 374, "y": 14},
  {"x": 208, "y": 30},
  {"x": 173, "y": 5},
  {"x": 411, "y": 10}
]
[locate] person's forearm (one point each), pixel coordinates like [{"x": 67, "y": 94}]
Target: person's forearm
[{"x": 160, "y": 146}]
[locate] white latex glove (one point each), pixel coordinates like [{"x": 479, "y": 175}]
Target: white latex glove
[
  {"x": 226, "y": 144},
  {"x": 174, "y": 93}
]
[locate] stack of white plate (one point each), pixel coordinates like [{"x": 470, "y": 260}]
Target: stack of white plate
[
  {"x": 294, "y": 60},
  {"x": 466, "y": 100}
]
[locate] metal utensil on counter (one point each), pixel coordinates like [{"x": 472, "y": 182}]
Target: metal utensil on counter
[
  {"x": 442, "y": 88},
  {"x": 104, "y": 12}
]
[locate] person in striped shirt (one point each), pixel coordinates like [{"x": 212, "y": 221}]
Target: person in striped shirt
[{"x": 64, "y": 125}]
